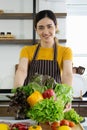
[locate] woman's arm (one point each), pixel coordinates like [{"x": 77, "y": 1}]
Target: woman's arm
[
  {"x": 21, "y": 72},
  {"x": 67, "y": 73},
  {"x": 67, "y": 76}
]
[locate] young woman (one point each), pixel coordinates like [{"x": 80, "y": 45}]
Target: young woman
[{"x": 47, "y": 57}]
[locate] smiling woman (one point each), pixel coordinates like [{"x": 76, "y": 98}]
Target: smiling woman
[{"x": 47, "y": 57}]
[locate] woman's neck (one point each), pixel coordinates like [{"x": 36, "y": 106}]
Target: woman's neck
[{"x": 46, "y": 44}]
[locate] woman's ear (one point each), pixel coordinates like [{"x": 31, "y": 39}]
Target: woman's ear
[{"x": 57, "y": 31}]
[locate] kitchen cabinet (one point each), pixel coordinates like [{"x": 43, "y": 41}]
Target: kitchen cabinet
[
  {"x": 25, "y": 16},
  {"x": 80, "y": 106},
  {"x": 4, "y": 109},
  {"x": 21, "y": 17}
]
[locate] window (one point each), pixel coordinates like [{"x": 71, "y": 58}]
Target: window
[{"x": 77, "y": 32}]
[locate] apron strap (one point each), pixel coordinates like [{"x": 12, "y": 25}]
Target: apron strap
[
  {"x": 55, "y": 52},
  {"x": 36, "y": 51}
]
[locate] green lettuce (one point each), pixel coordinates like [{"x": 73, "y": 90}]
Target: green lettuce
[
  {"x": 64, "y": 92},
  {"x": 72, "y": 115},
  {"x": 47, "y": 110}
]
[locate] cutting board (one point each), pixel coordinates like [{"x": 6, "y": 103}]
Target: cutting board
[
  {"x": 78, "y": 127},
  {"x": 47, "y": 127}
]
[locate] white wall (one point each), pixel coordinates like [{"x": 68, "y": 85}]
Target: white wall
[{"x": 9, "y": 54}]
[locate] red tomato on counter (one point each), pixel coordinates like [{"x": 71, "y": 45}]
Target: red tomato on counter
[
  {"x": 71, "y": 124},
  {"x": 64, "y": 122},
  {"x": 55, "y": 125}
]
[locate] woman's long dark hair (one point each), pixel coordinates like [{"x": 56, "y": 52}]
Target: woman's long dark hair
[{"x": 45, "y": 13}]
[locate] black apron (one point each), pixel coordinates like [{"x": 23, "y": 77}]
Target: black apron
[{"x": 44, "y": 67}]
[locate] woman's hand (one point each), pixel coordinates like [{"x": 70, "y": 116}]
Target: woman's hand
[{"x": 68, "y": 107}]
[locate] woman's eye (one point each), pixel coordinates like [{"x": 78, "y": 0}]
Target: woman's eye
[
  {"x": 49, "y": 26},
  {"x": 40, "y": 28}
]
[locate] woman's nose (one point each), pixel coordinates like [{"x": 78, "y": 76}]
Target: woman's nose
[{"x": 46, "y": 31}]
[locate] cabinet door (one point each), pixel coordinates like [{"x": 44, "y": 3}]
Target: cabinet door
[
  {"x": 4, "y": 112},
  {"x": 83, "y": 110},
  {"x": 75, "y": 105},
  {"x": 80, "y": 107}
]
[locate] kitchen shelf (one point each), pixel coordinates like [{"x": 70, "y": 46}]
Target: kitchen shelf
[
  {"x": 16, "y": 16},
  {"x": 61, "y": 15},
  {"x": 25, "y": 15},
  {"x": 23, "y": 41},
  {"x": 17, "y": 41}
]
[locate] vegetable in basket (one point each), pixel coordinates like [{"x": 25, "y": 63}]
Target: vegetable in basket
[{"x": 35, "y": 127}]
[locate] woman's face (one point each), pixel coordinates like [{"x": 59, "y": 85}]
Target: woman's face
[{"x": 46, "y": 30}]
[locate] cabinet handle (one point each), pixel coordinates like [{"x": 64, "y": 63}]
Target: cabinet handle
[
  {"x": 79, "y": 105},
  {"x": 75, "y": 106},
  {"x": 83, "y": 105},
  {"x": 2, "y": 105}
]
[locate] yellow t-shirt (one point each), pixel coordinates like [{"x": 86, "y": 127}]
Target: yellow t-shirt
[{"x": 64, "y": 53}]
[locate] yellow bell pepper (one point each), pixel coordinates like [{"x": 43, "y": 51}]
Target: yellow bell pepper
[
  {"x": 35, "y": 97},
  {"x": 4, "y": 126},
  {"x": 35, "y": 127}
]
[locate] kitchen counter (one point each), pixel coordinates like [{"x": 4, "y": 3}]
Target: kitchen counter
[
  {"x": 3, "y": 97},
  {"x": 6, "y": 119},
  {"x": 84, "y": 124}
]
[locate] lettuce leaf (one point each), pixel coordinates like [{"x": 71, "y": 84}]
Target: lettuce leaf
[
  {"x": 64, "y": 92},
  {"x": 47, "y": 110},
  {"x": 72, "y": 115}
]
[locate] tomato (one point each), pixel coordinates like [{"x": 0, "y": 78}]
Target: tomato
[
  {"x": 64, "y": 122},
  {"x": 48, "y": 93},
  {"x": 71, "y": 124},
  {"x": 55, "y": 125}
]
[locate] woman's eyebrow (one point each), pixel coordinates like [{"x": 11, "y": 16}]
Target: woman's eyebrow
[
  {"x": 41, "y": 26},
  {"x": 45, "y": 25},
  {"x": 49, "y": 24}
]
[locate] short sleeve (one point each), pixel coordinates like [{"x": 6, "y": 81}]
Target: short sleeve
[
  {"x": 68, "y": 54},
  {"x": 24, "y": 52}
]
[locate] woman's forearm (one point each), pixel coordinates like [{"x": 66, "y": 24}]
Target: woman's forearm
[
  {"x": 19, "y": 78},
  {"x": 67, "y": 74},
  {"x": 67, "y": 79},
  {"x": 21, "y": 72}
]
